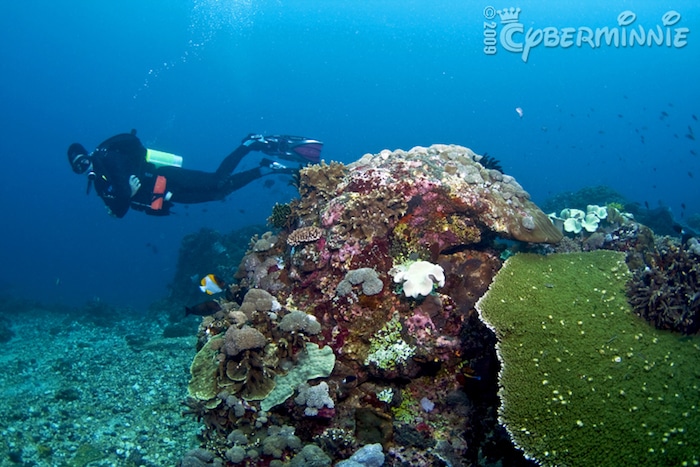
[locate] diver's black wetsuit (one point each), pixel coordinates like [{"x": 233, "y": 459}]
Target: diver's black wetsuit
[{"x": 121, "y": 156}]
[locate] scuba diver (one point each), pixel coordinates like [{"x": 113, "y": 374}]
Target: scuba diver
[{"x": 126, "y": 174}]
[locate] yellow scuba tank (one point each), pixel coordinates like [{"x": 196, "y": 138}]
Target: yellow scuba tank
[{"x": 162, "y": 159}]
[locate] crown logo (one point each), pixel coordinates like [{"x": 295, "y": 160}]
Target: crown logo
[{"x": 509, "y": 15}]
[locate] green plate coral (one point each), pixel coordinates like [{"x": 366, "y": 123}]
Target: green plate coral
[{"x": 584, "y": 381}]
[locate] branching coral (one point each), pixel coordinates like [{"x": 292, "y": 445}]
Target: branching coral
[{"x": 668, "y": 294}]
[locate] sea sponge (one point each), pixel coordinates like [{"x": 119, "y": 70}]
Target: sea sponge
[
  {"x": 368, "y": 277},
  {"x": 246, "y": 338},
  {"x": 300, "y": 321},
  {"x": 418, "y": 279}
]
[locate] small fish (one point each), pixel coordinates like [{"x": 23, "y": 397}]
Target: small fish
[
  {"x": 690, "y": 136},
  {"x": 695, "y": 118},
  {"x": 683, "y": 206},
  {"x": 519, "y": 110},
  {"x": 211, "y": 284},
  {"x": 692, "y": 151},
  {"x": 664, "y": 114},
  {"x": 203, "y": 309},
  {"x": 690, "y": 174},
  {"x": 268, "y": 183}
]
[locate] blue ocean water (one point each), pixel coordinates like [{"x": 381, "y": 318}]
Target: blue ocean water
[{"x": 194, "y": 77}]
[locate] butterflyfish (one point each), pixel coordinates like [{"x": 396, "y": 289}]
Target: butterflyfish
[{"x": 211, "y": 284}]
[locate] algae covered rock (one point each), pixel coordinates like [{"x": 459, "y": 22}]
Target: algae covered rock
[
  {"x": 428, "y": 199},
  {"x": 443, "y": 188},
  {"x": 584, "y": 381}
]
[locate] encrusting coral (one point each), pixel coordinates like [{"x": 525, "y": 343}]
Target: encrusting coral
[{"x": 584, "y": 381}]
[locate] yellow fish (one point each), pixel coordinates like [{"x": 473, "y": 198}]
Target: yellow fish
[{"x": 211, "y": 284}]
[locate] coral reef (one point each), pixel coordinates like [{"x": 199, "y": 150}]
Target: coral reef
[
  {"x": 584, "y": 380},
  {"x": 357, "y": 317}
]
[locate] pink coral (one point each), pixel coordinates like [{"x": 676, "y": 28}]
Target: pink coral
[
  {"x": 421, "y": 327},
  {"x": 332, "y": 213}
]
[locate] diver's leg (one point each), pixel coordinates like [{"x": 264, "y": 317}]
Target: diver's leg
[
  {"x": 241, "y": 179},
  {"x": 231, "y": 161}
]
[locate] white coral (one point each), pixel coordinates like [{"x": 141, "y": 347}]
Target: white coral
[{"x": 418, "y": 279}]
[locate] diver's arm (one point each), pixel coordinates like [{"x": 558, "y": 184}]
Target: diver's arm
[{"x": 117, "y": 197}]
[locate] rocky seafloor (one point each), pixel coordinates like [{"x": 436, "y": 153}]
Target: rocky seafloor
[{"x": 77, "y": 391}]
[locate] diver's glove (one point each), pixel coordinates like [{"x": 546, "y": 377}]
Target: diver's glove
[
  {"x": 292, "y": 148},
  {"x": 134, "y": 184},
  {"x": 273, "y": 165},
  {"x": 268, "y": 167}
]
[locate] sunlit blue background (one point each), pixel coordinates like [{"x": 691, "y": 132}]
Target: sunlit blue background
[{"x": 194, "y": 77}]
